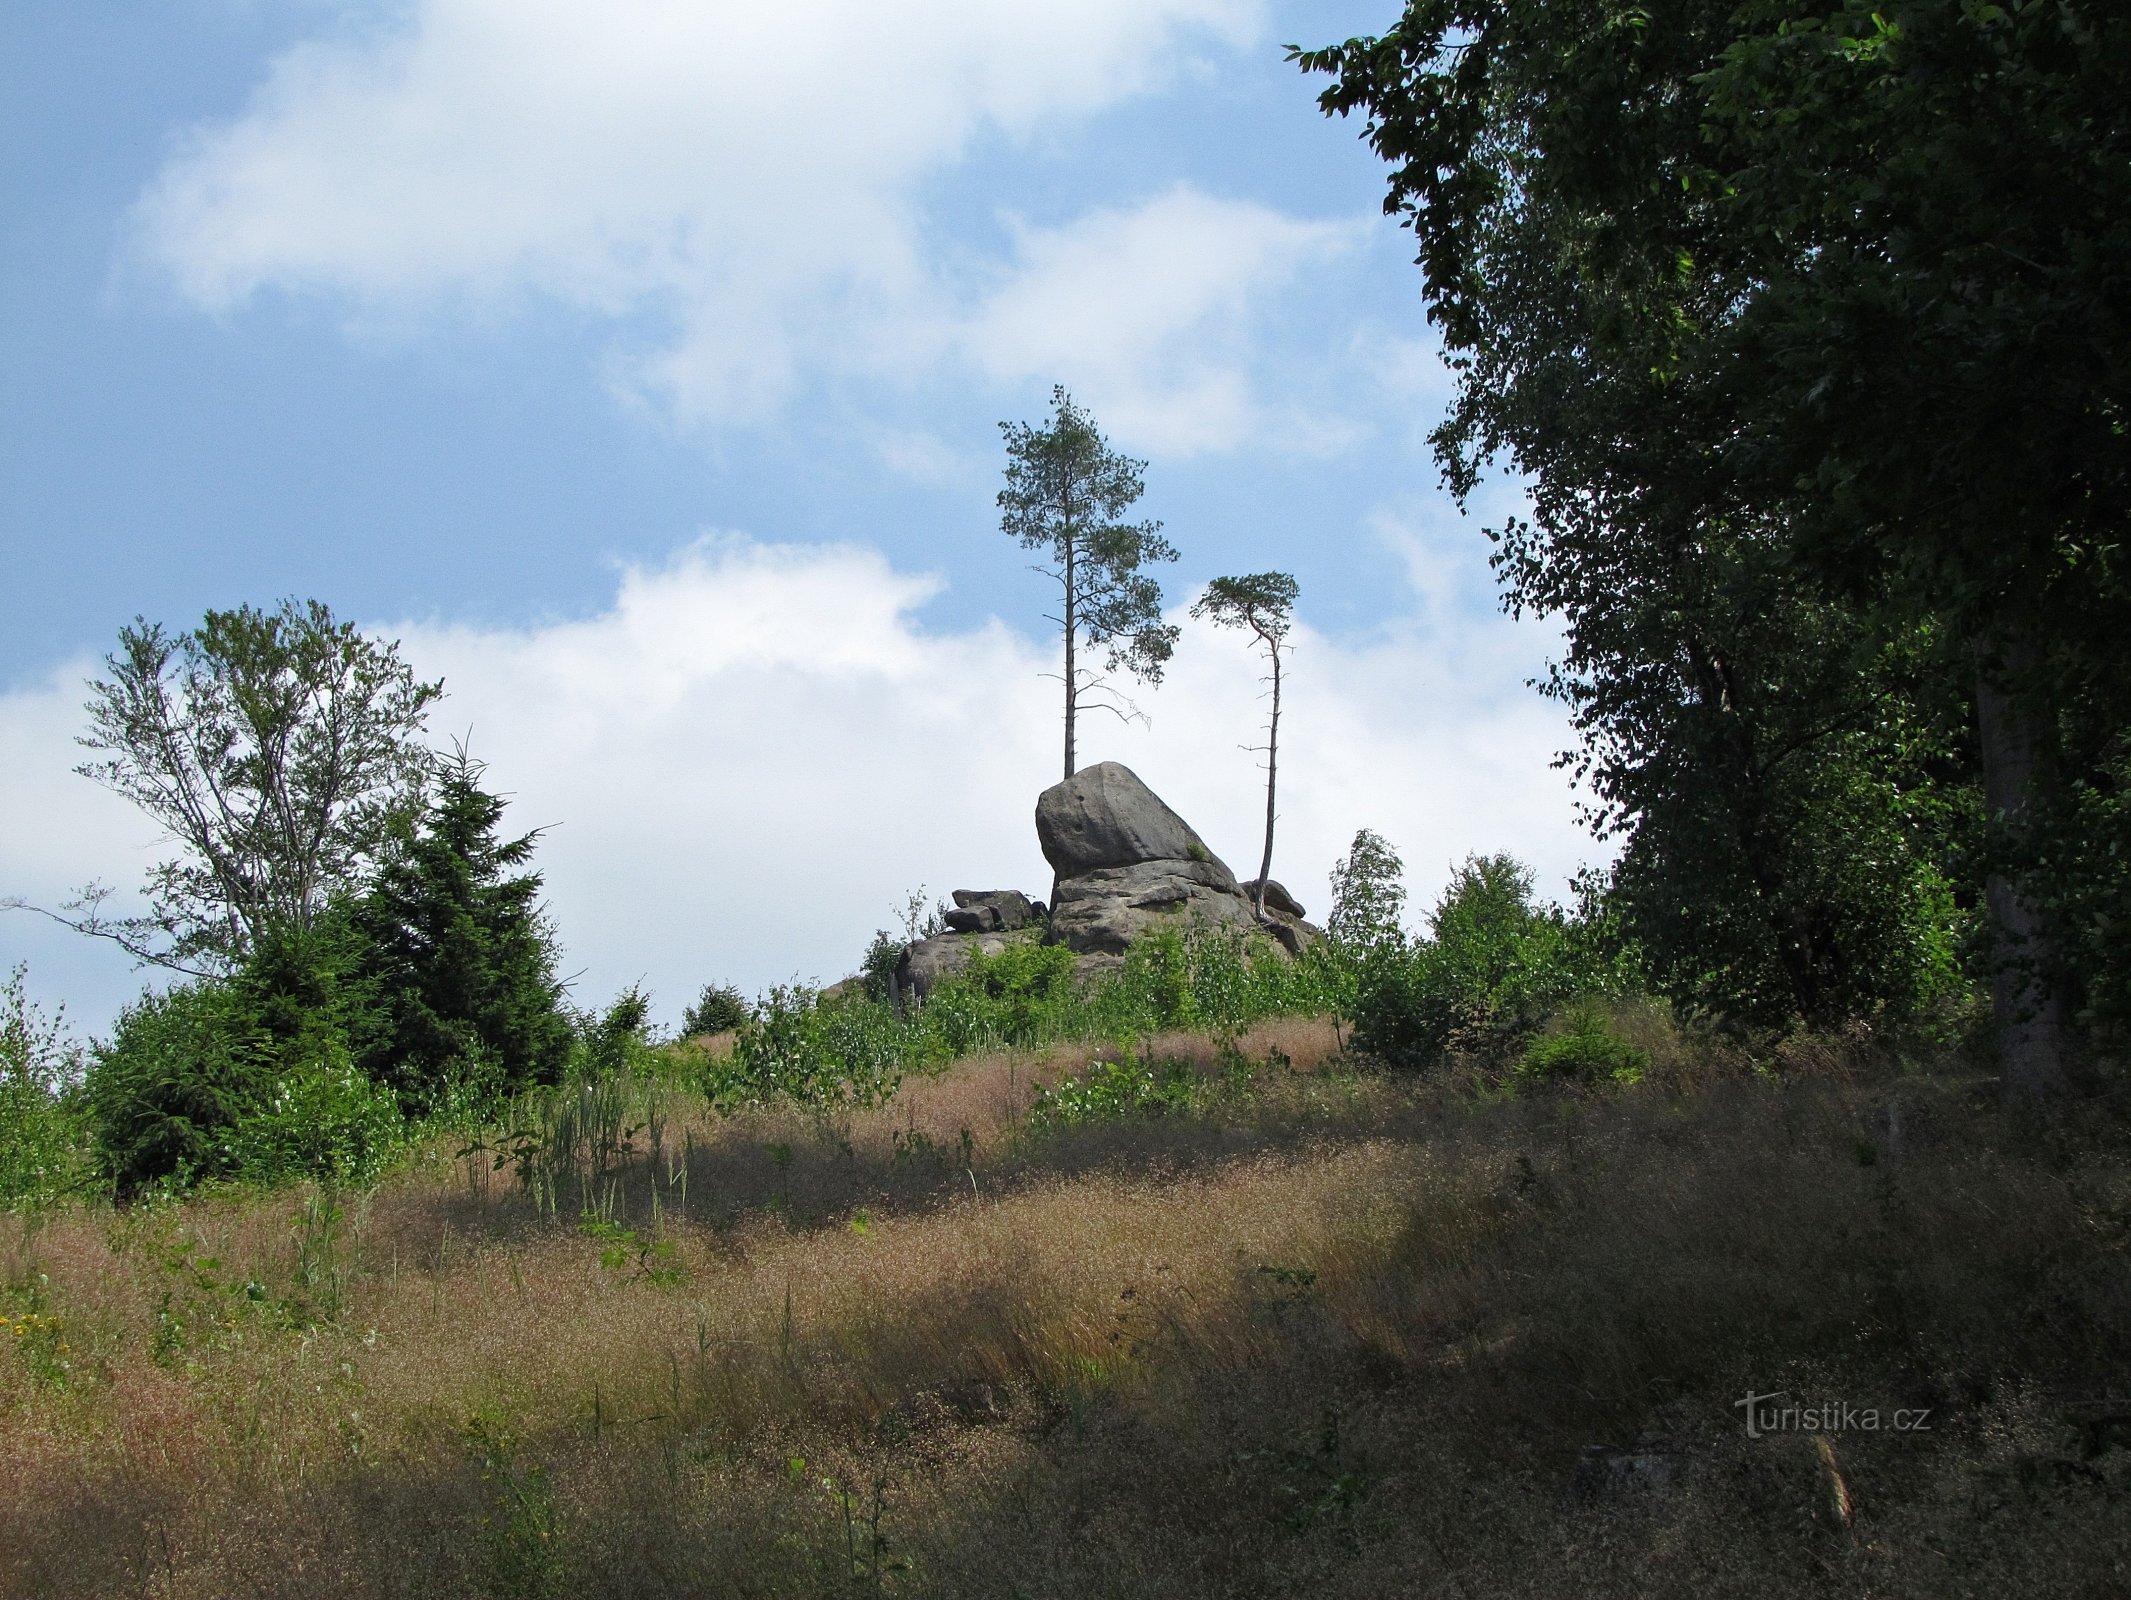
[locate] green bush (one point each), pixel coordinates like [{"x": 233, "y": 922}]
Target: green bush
[
  {"x": 856, "y": 1049},
  {"x": 322, "y": 1119},
  {"x": 1586, "y": 1051},
  {"x": 1115, "y": 1090},
  {"x": 800, "y": 1047},
  {"x": 222, "y": 1077},
  {"x": 720, "y": 1008},
  {"x": 614, "y": 1041},
  {"x": 42, "y": 1151},
  {"x": 178, "y": 1074},
  {"x": 1493, "y": 967}
]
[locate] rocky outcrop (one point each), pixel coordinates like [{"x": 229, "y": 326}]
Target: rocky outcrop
[
  {"x": 1276, "y": 897},
  {"x": 926, "y": 961},
  {"x": 1103, "y": 817},
  {"x": 1128, "y": 865},
  {"x": 993, "y": 911}
]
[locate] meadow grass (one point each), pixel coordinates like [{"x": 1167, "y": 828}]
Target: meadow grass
[{"x": 1301, "y": 1329}]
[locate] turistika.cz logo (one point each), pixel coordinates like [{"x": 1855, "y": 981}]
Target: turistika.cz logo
[{"x": 1767, "y": 1413}]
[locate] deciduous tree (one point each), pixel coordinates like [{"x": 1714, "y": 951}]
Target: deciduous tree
[
  {"x": 276, "y": 748},
  {"x": 1836, "y": 286}
]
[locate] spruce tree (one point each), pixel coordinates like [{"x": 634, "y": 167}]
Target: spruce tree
[{"x": 459, "y": 962}]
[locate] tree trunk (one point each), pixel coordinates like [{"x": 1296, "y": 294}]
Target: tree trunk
[
  {"x": 2027, "y": 999},
  {"x": 1272, "y": 776},
  {"x": 1072, "y": 623}
]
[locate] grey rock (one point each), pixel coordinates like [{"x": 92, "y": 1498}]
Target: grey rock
[
  {"x": 1103, "y": 816},
  {"x": 1008, "y": 909},
  {"x": 1292, "y": 934},
  {"x": 1276, "y": 897},
  {"x": 1105, "y": 910},
  {"x": 927, "y": 961},
  {"x": 973, "y": 919}
]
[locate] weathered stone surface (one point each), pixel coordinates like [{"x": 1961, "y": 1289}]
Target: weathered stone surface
[
  {"x": 1105, "y": 910},
  {"x": 1128, "y": 865},
  {"x": 1277, "y": 899},
  {"x": 1103, "y": 816},
  {"x": 1292, "y": 934},
  {"x": 973, "y": 919},
  {"x": 927, "y": 961},
  {"x": 1011, "y": 908}
]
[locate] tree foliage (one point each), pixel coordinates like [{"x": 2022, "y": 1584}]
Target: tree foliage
[
  {"x": 41, "y": 1156},
  {"x": 457, "y": 962},
  {"x": 1263, "y": 605},
  {"x": 1491, "y": 968},
  {"x": 1066, "y": 490},
  {"x": 276, "y": 748},
  {"x": 1809, "y": 328}
]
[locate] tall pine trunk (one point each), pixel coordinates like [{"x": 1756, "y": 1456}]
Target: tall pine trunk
[
  {"x": 1072, "y": 625},
  {"x": 1272, "y": 777}
]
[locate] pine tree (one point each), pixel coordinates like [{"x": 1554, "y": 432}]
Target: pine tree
[{"x": 459, "y": 963}]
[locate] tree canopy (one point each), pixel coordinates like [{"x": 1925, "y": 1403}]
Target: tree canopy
[
  {"x": 276, "y": 748},
  {"x": 1809, "y": 328},
  {"x": 1066, "y": 490}
]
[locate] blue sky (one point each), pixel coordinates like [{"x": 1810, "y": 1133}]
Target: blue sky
[{"x": 508, "y": 325}]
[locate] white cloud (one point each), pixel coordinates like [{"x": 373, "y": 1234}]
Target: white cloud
[
  {"x": 755, "y": 752},
  {"x": 742, "y": 175},
  {"x": 1147, "y": 312}
]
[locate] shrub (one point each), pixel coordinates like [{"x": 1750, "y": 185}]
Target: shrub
[
  {"x": 855, "y": 1049},
  {"x": 878, "y": 964},
  {"x": 1114, "y": 1090},
  {"x": 720, "y": 1008},
  {"x": 322, "y": 1119},
  {"x": 1020, "y": 997},
  {"x": 222, "y": 1077},
  {"x": 181, "y": 1069},
  {"x": 1586, "y": 1051},
  {"x": 615, "y": 1041},
  {"x": 41, "y": 1149},
  {"x": 797, "y": 1046},
  {"x": 1493, "y": 967}
]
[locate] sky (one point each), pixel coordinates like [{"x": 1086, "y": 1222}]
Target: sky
[{"x": 638, "y": 366}]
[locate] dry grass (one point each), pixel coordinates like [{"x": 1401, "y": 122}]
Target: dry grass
[{"x": 1338, "y": 1335}]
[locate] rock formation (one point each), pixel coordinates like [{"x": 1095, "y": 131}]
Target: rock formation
[
  {"x": 1127, "y": 865},
  {"x": 993, "y": 911},
  {"x": 979, "y": 922}
]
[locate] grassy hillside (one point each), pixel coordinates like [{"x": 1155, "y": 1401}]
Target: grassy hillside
[{"x": 1271, "y": 1326}]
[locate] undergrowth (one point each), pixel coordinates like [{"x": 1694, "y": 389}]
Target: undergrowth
[{"x": 1221, "y": 1314}]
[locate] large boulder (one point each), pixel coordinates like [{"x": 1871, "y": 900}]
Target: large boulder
[
  {"x": 1128, "y": 865},
  {"x": 1103, "y": 816},
  {"x": 1278, "y": 901},
  {"x": 1105, "y": 910},
  {"x": 927, "y": 961}
]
